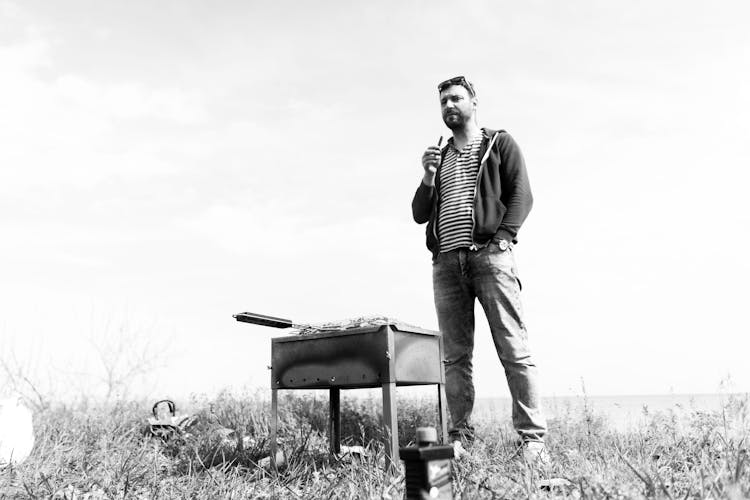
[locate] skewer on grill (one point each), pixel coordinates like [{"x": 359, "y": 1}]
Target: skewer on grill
[{"x": 263, "y": 320}]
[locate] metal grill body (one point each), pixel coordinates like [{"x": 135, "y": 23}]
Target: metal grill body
[{"x": 384, "y": 356}]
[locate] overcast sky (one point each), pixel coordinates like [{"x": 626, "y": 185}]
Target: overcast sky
[{"x": 164, "y": 165}]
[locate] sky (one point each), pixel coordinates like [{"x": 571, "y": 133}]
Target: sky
[{"x": 166, "y": 165}]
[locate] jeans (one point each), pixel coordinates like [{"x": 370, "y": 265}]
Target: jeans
[{"x": 488, "y": 274}]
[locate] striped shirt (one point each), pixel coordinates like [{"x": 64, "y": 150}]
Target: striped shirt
[{"x": 458, "y": 177}]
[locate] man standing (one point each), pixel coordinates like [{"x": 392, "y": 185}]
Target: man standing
[{"x": 474, "y": 197}]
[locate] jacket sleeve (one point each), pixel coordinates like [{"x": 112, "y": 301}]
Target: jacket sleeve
[
  {"x": 421, "y": 205},
  {"x": 516, "y": 190}
]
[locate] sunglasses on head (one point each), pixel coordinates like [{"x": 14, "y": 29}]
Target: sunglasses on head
[{"x": 458, "y": 80}]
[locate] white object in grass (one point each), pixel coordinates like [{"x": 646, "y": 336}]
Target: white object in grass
[{"x": 16, "y": 431}]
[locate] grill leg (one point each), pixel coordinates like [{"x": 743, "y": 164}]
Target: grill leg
[
  {"x": 334, "y": 420},
  {"x": 274, "y": 425},
  {"x": 442, "y": 413},
  {"x": 390, "y": 424}
]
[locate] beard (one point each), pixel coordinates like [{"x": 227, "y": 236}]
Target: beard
[{"x": 454, "y": 120}]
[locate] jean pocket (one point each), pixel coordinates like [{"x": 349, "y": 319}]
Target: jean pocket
[{"x": 500, "y": 261}]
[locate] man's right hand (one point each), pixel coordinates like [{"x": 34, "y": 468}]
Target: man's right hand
[{"x": 430, "y": 162}]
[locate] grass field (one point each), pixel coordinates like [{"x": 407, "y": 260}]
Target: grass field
[{"x": 99, "y": 451}]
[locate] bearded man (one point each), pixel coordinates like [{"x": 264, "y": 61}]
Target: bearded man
[{"x": 474, "y": 196}]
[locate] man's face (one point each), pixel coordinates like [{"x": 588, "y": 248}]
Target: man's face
[{"x": 457, "y": 106}]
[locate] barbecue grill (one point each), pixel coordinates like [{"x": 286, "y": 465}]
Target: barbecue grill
[{"x": 384, "y": 354}]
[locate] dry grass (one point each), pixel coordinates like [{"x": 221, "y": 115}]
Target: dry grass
[{"x": 93, "y": 452}]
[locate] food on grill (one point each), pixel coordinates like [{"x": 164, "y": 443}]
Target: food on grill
[{"x": 307, "y": 329}]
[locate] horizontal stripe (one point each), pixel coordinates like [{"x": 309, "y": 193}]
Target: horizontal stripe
[
  {"x": 458, "y": 197},
  {"x": 458, "y": 175},
  {"x": 454, "y": 221}
]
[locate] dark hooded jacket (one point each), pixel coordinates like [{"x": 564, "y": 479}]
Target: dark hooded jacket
[{"x": 502, "y": 195}]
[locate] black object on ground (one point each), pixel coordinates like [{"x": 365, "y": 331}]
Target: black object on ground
[{"x": 428, "y": 467}]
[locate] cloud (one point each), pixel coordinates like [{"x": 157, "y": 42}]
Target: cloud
[
  {"x": 71, "y": 130},
  {"x": 130, "y": 100}
]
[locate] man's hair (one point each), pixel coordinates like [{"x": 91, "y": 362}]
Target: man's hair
[{"x": 458, "y": 80}]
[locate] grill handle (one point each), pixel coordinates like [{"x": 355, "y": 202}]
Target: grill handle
[{"x": 260, "y": 319}]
